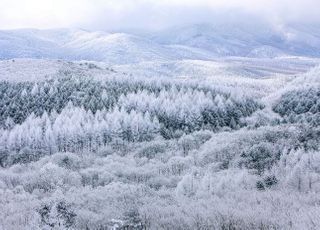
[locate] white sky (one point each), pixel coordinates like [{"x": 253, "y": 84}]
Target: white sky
[{"x": 147, "y": 14}]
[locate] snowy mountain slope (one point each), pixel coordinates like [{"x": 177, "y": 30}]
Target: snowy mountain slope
[
  {"x": 20, "y": 70},
  {"x": 266, "y": 52},
  {"x": 258, "y": 40},
  {"x": 116, "y": 48},
  {"x": 204, "y": 36},
  {"x": 201, "y": 41},
  {"x": 123, "y": 48},
  {"x": 27, "y": 44},
  {"x": 300, "y": 82}
]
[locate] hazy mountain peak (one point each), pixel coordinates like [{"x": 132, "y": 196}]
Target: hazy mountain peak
[{"x": 195, "y": 41}]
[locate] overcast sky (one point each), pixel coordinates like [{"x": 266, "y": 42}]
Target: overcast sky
[{"x": 148, "y": 14}]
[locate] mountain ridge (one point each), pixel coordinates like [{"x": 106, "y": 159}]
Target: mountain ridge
[{"x": 199, "y": 41}]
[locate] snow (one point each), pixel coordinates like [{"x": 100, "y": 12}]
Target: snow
[
  {"x": 201, "y": 42},
  {"x": 229, "y": 40},
  {"x": 177, "y": 129},
  {"x": 26, "y": 69},
  {"x": 252, "y": 76}
]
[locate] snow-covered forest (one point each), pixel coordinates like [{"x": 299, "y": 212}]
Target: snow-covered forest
[
  {"x": 126, "y": 152},
  {"x": 159, "y": 115}
]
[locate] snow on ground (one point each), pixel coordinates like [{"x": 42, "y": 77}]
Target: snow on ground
[
  {"x": 251, "y": 76},
  {"x": 254, "y": 76},
  {"x": 19, "y": 70}
]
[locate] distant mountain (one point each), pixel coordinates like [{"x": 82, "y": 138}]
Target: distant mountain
[
  {"x": 246, "y": 40},
  {"x": 202, "y": 41},
  {"x": 114, "y": 48},
  {"x": 30, "y": 44},
  {"x": 265, "y": 52}
]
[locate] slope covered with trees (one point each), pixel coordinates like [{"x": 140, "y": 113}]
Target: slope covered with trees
[
  {"x": 301, "y": 105},
  {"x": 146, "y": 153},
  {"x": 77, "y": 114}
]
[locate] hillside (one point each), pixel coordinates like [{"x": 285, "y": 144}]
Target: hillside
[
  {"x": 200, "y": 42},
  {"x": 195, "y": 127}
]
